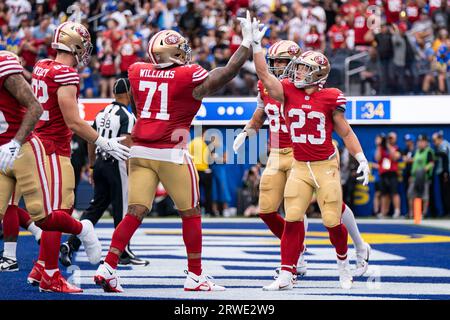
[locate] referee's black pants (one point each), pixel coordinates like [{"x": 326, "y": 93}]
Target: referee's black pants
[{"x": 110, "y": 187}]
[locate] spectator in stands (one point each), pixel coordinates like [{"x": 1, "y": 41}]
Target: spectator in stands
[
  {"x": 13, "y": 41},
  {"x": 108, "y": 70},
  {"x": 360, "y": 24},
  {"x": 387, "y": 155},
  {"x": 314, "y": 40},
  {"x": 338, "y": 34},
  {"x": 250, "y": 192},
  {"x": 442, "y": 157},
  {"x": 441, "y": 16},
  {"x": 28, "y": 50},
  {"x": 441, "y": 67},
  {"x": 403, "y": 57},
  {"x": 385, "y": 52},
  {"x": 370, "y": 77},
  {"x": 392, "y": 10},
  {"x": 424, "y": 58},
  {"x": 412, "y": 11},
  {"x": 129, "y": 49},
  {"x": 4, "y": 14},
  {"x": 376, "y": 177},
  {"x": 87, "y": 88},
  {"x": 221, "y": 196},
  {"x": 191, "y": 21},
  {"x": 348, "y": 166},
  {"x": 421, "y": 175},
  {"x": 18, "y": 11}
]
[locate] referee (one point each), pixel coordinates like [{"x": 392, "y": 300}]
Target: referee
[{"x": 109, "y": 176}]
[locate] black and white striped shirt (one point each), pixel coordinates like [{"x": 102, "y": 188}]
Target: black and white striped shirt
[{"x": 114, "y": 121}]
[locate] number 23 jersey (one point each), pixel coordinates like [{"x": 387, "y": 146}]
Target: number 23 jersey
[
  {"x": 164, "y": 102},
  {"x": 310, "y": 120}
]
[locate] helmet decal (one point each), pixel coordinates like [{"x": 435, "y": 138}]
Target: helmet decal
[{"x": 172, "y": 39}]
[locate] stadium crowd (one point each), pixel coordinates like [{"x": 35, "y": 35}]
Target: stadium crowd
[{"x": 408, "y": 39}]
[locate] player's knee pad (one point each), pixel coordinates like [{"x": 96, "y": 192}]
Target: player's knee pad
[{"x": 36, "y": 209}]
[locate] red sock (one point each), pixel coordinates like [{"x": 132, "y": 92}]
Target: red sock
[
  {"x": 61, "y": 221},
  {"x": 291, "y": 243},
  {"x": 339, "y": 237},
  {"x": 24, "y": 218},
  {"x": 50, "y": 242},
  {"x": 275, "y": 222},
  {"x": 121, "y": 237},
  {"x": 11, "y": 224},
  {"x": 192, "y": 237}
]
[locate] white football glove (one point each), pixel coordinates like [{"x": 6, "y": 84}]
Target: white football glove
[
  {"x": 257, "y": 35},
  {"x": 114, "y": 147},
  {"x": 239, "y": 141},
  {"x": 8, "y": 153},
  {"x": 246, "y": 26},
  {"x": 363, "y": 168}
]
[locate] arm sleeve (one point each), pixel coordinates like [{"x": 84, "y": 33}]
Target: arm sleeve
[
  {"x": 8, "y": 66},
  {"x": 341, "y": 101}
]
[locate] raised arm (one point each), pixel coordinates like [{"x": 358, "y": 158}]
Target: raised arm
[
  {"x": 218, "y": 77},
  {"x": 270, "y": 82},
  {"x": 20, "y": 89},
  {"x": 343, "y": 129}
]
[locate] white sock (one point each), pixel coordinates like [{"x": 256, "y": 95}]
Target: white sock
[
  {"x": 35, "y": 230},
  {"x": 10, "y": 250},
  {"x": 50, "y": 272},
  {"x": 349, "y": 221}
]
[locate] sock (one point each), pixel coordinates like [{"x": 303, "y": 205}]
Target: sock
[
  {"x": 24, "y": 218},
  {"x": 35, "y": 231},
  {"x": 11, "y": 224},
  {"x": 275, "y": 222},
  {"x": 291, "y": 244},
  {"x": 121, "y": 237},
  {"x": 50, "y": 272},
  {"x": 339, "y": 237},
  {"x": 10, "y": 250},
  {"x": 50, "y": 248},
  {"x": 61, "y": 221},
  {"x": 192, "y": 237},
  {"x": 348, "y": 219}
]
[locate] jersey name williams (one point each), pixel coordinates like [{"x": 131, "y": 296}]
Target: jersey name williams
[{"x": 168, "y": 74}]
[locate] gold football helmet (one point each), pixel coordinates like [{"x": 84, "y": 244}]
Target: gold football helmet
[
  {"x": 168, "y": 47},
  {"x": 74, "y": 38},
  {"x": 282, "y": 50},
  {"x": 310, "y": 69},
  {"x": 9, "y": 53}
]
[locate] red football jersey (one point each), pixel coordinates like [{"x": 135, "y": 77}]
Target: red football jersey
[
  {"x": 11, "y": 112},
  {"x": 337, "y": 35},
  {"x": 360, "y": 27},
  {"x": 412, "y": 12},
  {"x": 48, "y": 75},
  {"x": 309, "y": 119},
  {"x": 279, "y": 137},
  {"x": 164, "y": 103},
  {"x": 392, "y": 10},
  {"x": 313, "y": 41}
]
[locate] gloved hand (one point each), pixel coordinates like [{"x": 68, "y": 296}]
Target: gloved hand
[
  {"x": 114, "y": 147},
  {"x": 8, "y": 153},
  {"x": 239, "y": 141},
  {"x": 363, "y": 168},
  {"x": 246, "y": 26},
  {"x": 257, "y": 35}
]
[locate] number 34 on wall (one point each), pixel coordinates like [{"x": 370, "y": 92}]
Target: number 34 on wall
[{"x": 370, "y": 111}]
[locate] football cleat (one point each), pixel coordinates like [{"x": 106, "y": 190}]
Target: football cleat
[
  {"x": 35, "y": 275},
  {"x": 200, "y": 283},
  {"x": 302, "y": 265},
  {"x": 57, "y": 283},
  {"x": 283, "y": 282},
  {"x": 362, "y": 261},
  {"x": 345, "y": 276},
  {"x": 8, "y": 265},
  {"x": 107, "y": 278},
  {"x": 128, "y": 257},
  {"x": 294, "y": 275},
  {"x": 90, "y": 241},
  {"x": 65, "y": 254}
]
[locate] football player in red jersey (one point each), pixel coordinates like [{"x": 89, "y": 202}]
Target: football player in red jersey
[
  {"x": 168, "y": 93},
  {"x": 311, "y": 115},
  {"x": 275, "y": 175},
  {"x": 56, "y": 85},
  {"x": 22, "y": 162}
]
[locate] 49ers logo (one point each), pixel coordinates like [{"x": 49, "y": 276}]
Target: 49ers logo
[
  {"x": 82, "y": 32},
  {"x": 293, "y": 50},
  {"x": 172, "y": 39},
  {"x": 321, "y": 60}
]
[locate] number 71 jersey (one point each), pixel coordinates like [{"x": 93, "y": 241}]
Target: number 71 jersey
[
  {"x": 310, "y": 120},
  {"x": 164, "y": 102}
]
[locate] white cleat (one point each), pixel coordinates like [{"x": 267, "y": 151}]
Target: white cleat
[
  {"x": 284, "y": 281},
  {"x": 345, "y": 276},
  {"x": 362, "y": 261},
  {"x": 302, "y": 265},
  {"x": 107, "y": 278},
  {"x": 277, "y": 274},
  {"x": 200, "y": 283},
  {"x": 90, "y": 241}
]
